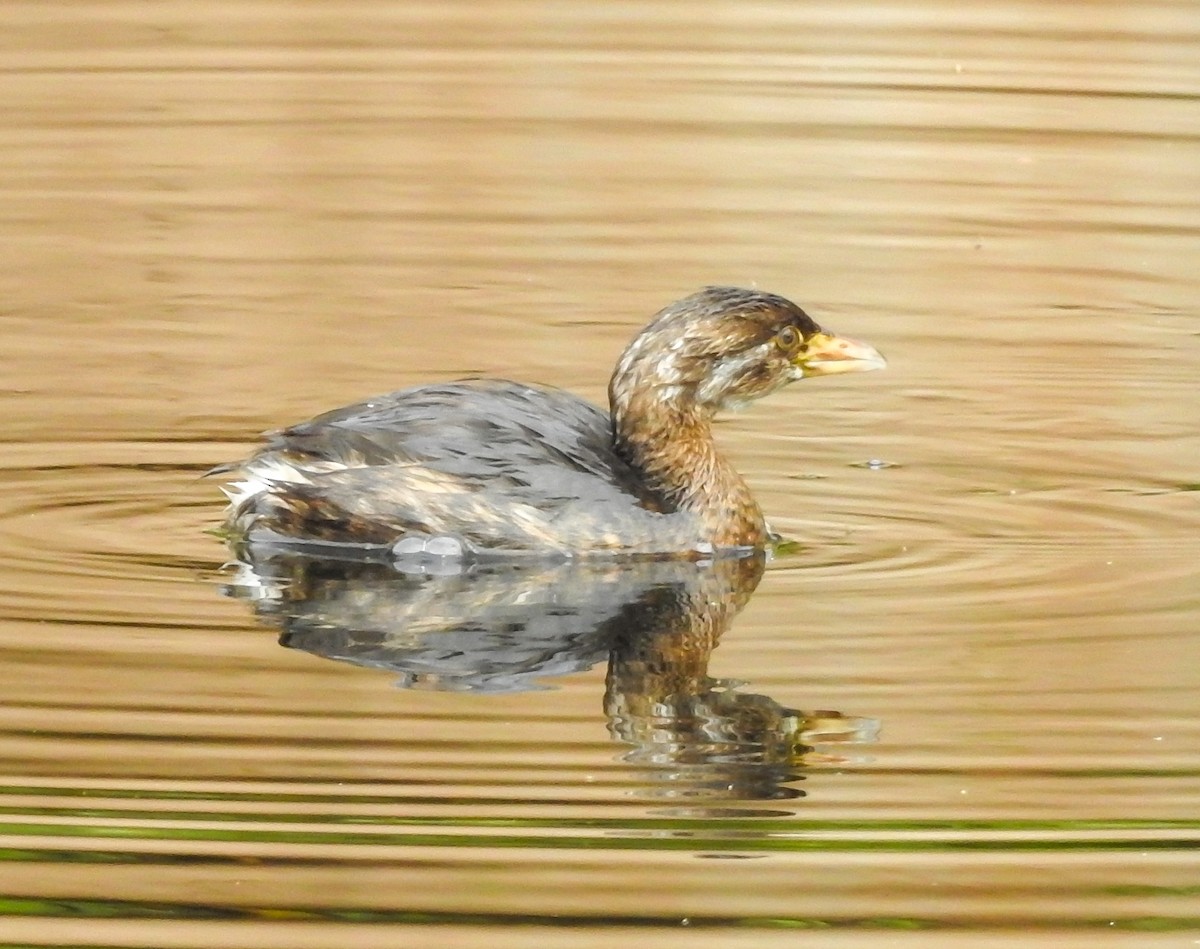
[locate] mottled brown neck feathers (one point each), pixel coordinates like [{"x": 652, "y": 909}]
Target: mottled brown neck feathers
[{"x": 669, "y": 440}]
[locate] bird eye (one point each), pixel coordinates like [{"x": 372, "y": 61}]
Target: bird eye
[{"x": 788, "y": 338}]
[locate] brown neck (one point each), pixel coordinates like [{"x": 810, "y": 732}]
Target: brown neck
[{"x": 672, "y": 444}]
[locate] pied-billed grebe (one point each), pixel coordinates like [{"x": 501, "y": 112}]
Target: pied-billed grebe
[{"x": 488, "y": 466}]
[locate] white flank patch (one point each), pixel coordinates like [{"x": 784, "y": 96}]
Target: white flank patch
[{"x": 263, "y": 474}]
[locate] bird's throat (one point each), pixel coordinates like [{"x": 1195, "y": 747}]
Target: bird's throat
[{"x": 675, "y": 451}]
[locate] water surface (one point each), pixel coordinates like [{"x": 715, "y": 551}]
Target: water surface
[{"x": 219, "y": 218}]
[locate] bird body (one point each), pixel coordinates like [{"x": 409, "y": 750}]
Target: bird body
[{"x": 498, "y": 467}]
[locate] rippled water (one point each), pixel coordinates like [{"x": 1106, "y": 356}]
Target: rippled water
[{"x": 962, "y": 710}]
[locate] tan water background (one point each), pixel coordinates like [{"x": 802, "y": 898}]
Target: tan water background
[{"x": 218, "y": 217}]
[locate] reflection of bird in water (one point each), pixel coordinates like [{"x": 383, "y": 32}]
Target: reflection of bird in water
[
  {"x": 502, "y": 626},
  {"x": 696, "y": 737},
  {"x": 493, "y": 466},
  {"x": 498, "y": 626}
]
